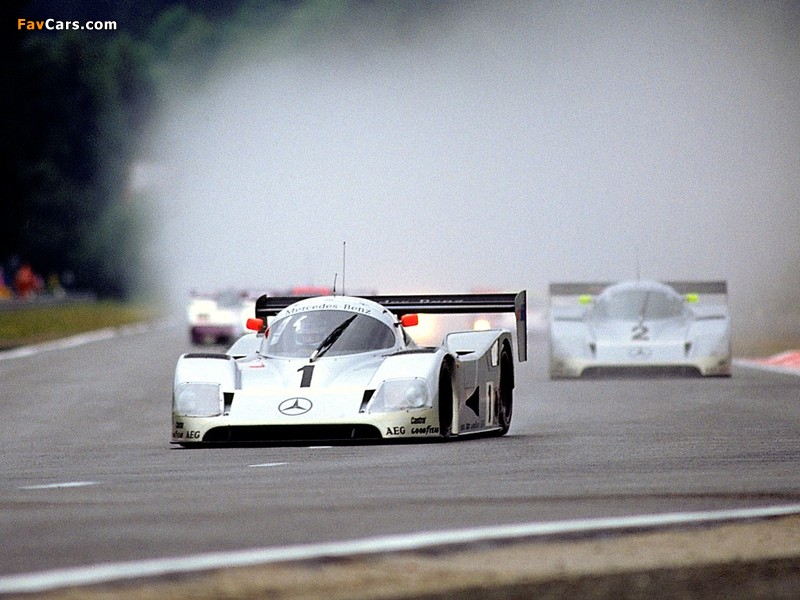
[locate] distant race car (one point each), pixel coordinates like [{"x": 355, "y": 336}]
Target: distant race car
[
  {"x": 218, "y": 317},
  {"x": 639, "y": 327},
  {"x": 344, "y": 368}
]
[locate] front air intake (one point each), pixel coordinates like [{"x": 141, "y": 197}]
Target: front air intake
[{"x": 240, "y": 434}]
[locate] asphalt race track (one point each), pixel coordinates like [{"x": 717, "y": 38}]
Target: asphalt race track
[{"x": 88, "y": 475}]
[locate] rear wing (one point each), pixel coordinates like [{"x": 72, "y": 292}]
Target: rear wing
[
  {"x": 719, "y": 288},
  {"x": 441, "y": 304},
  {"x": 566, "y": 299},
  {"x": 590, "y": 288},
  {"x": 595, "y": 287},
  {"x": 709, "y": 299}
]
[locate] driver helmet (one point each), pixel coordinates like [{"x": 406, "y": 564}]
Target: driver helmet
[{"x": 310, "y": 330}]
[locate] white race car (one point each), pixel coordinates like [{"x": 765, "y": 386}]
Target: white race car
[
  {"x": 344, "y": 368},
  {"x": 218, "y": 317},
  {"x": 639, "y": 327}
]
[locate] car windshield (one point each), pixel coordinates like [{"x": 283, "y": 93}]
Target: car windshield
[
  {"x": 301, "y": 334},
  {"x": 635, "y": 305}
]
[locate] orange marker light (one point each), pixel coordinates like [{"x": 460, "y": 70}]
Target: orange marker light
[
  {"x": 254, "y": 324},
  {"x": 409, "y": 320}
]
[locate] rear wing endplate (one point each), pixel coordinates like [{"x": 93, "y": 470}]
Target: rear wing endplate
[{"x": 267, "y": 306}]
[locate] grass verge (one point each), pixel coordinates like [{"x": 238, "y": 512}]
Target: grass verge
[{"x": 35, "y": 324}]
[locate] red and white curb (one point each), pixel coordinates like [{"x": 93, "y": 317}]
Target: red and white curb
[{"x": 785, "y": 362}]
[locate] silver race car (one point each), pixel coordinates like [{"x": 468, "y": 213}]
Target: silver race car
[
  {"x": 639, "y": 327},
  {"x": 218, "y": 317},
  {"x": 342, "y": 368}
]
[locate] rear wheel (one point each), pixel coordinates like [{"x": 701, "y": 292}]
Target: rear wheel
[
  {"x": 505, "y": 400},
  {"x": 445, "y": 401}
]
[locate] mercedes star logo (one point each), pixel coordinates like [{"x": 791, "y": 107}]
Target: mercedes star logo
[
  {"x": 295, "y": 406},
  {"x": 640, "y": 352}
]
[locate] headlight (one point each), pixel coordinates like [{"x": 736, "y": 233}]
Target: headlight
[
  {"x": 197, "y": 400},
  {"x": 400, "y": 394}
]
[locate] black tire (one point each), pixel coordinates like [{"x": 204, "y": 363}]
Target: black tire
[
  {"x": 446, "y": 401},
  {"x": 505, "y": 404}
]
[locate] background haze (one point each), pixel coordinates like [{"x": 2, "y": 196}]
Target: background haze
[{"x": 495, "y": 146}]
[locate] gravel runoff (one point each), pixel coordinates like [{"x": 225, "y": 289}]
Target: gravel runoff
[{"x": 733, "y": 561}]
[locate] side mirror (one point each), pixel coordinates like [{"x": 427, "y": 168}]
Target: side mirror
[{"x": 409, "y": 320}]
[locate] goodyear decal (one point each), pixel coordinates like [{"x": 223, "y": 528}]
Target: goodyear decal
[{"x": 427, "y": 430}]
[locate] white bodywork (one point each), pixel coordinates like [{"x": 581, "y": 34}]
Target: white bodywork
[
  {"x": 264, "y": 390},
  {"x": 639, "y": 327},
  {"x": 218, "y": 317}
]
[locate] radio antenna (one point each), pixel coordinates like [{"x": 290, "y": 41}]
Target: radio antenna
[
  {"x": 344, "y": 262},
  {"x": 335, "y": 275}
]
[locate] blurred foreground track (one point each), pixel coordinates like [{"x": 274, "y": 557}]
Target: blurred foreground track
[
  {"x": 734, "y": 561},
  {"x": 84, "y": 488}
]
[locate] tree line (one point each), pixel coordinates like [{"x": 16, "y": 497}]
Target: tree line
[{"x": 74, "y": 110}]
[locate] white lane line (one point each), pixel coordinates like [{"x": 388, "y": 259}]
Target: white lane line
[
  {"x": 62, "y": 344},
  {"x": 66, "y": 484},
  {"x": 105, "y": 572},
  {"x": 268, "y": 465}
]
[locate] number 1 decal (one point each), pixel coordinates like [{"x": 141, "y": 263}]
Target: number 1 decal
[{"x": 307, "y": 370}]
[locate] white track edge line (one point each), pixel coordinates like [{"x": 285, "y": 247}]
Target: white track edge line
[{"x": 105, "y": 572}]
